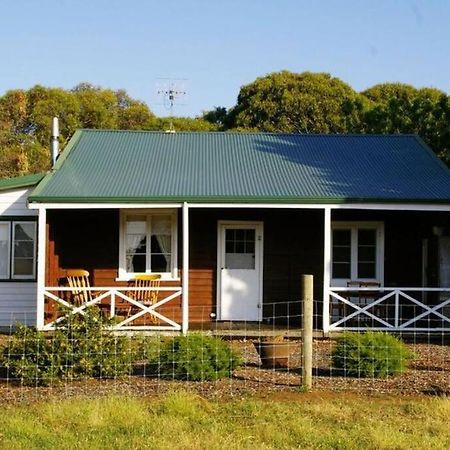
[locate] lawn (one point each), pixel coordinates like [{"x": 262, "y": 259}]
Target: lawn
[{"x": 186, "y": 421}]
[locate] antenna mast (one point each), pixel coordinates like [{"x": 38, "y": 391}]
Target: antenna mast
[{"x": 171, "y": 91}]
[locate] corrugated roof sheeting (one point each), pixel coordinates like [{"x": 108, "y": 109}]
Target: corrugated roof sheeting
[
  {"x": 145, "y": 166},
  {"x": 20, "y": 182}
]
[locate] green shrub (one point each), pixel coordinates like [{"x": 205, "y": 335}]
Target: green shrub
[
  {"x": 197, "y": 357},
  {"x": 80, "y": 347},
  {"x": 28, "y": 357},
  {"x": 87, "y": 349},
  {"x": 371, "y": 354}
]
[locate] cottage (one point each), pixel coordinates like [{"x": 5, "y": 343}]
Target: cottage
[{"x": 229, "y": 221}]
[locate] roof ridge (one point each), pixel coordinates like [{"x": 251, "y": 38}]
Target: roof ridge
[{"x": 242, "y": 133}]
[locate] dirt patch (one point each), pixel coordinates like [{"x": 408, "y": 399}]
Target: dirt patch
[{"x": 429, "y": 372}]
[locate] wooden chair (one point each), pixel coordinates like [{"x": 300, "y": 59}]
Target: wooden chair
[
  {"x": 78, "y": 279},
  {"x": 146, "y": 297}
]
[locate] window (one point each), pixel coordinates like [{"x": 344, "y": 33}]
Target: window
[
  {"x": 148, "y": 243},
  {"x": 357, "y": 251},
  {"x": 342, "y": 251},
  {"x": 17, "y": 250},
  {"x": 240, "y": 248}
]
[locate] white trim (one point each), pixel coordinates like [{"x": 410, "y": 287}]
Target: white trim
[
  {"x": 8, "y": 224},
  {"x": 259, "y": 226},
  {"x": 354, "y": 226},
  {"x": 390, "y": 289},
  {"x": 123, "y": 275},
  {"x": 155, "y": 205},
  {"x": 31, "y": 276},
  {"x": 362, "y": 309},
  {"x": 113, "y": 292},
  {"x": 114, "y": 288},
  {"x": 369, "y": 206},
  {"x": 259, "y": 205},
  {"x": 41, "y": 257},
  {"x": 147, "y": 309},
  {"x": 391, "y": 323},
  {"x": 394, "y": 206},
  {"x": 185, "y": 274},
  {"x": 326, "y": 269},
  {"x": 425, "y": 249}
]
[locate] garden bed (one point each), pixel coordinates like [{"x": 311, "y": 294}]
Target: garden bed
[{"x": 429, "y": 374}]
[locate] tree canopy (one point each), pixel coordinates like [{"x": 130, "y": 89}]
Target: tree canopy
[{"x": 295, "y": 103}]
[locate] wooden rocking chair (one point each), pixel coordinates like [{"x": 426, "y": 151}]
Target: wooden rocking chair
[
  {"x": 78, "y": 279},
  {"x": 146, "y": 297}
]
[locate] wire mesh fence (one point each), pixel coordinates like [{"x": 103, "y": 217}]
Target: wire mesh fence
[{"x": 85, "y": 355}]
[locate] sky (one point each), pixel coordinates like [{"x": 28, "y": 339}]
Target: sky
[{"x": 210, "y": 48}]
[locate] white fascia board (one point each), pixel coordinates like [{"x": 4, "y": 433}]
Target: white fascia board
[
  {"x": 368, "y": 206},
  {"x": 258, "y": 205},
  {"x": 104, "y": 205},
  {"x": 394, "y": 206}
]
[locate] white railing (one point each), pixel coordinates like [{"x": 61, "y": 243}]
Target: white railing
[
  {"x": 106, "y": 298},
  {"x": 390, "y": 309}
]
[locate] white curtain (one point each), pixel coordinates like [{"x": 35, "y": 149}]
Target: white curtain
[
  {"x": 164, "y": 242},
  {"x": 135, "y": 234},
  {"x": 133, "y": 243},
  {"x": 162, "y": 230}
]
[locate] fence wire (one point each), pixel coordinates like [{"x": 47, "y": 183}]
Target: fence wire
[{"x": 218, "y": 358}]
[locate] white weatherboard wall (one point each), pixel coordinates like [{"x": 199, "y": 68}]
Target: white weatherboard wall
[{"x": 17, "y": 298}]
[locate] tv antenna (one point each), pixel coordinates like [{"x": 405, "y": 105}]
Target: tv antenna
[{"x": 171, "y": 91}]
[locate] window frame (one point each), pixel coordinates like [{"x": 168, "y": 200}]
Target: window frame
[
  {"x": 12, "y": 221},
  {"x": 354, "y": 227},
  {"x": 123, "y": 275}
]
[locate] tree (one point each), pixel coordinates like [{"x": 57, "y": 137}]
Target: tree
[
  {"x": 297, "y": 103},
  {"x": 401, "y": 108},
  {"x": 442, "y": 132},
  {"x": 133, "y": 114},
  {"x": 98, "y": 107},
  {"x": 45, "y": 103},
  {"x": 21, "y": 154},
  {"x": 217, "y": 116},
  {"x": 13, "y": 111},
  {"x": 25, "y": 119},
  {"x": 183, "y": 124}
]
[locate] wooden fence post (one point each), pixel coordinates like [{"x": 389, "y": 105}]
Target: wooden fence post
[{"x": 307, "y": 332}]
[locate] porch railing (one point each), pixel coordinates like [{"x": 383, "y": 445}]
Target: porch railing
[
  {"x": 390, "y": 309},
  {"x": 108, "y": 298}
]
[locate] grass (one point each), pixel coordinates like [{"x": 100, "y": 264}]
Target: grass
[{"x": 185, "y": 421}]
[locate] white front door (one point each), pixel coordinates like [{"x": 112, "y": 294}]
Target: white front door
[{"x": 240, "y": 250}]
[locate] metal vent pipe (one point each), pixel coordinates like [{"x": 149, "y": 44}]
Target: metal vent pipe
[{"x": 54, "y": 140}]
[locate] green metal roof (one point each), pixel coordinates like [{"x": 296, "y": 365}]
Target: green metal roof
[
  {"x": 20, "y": 182},
  {"x": 139, "y": 166}
]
